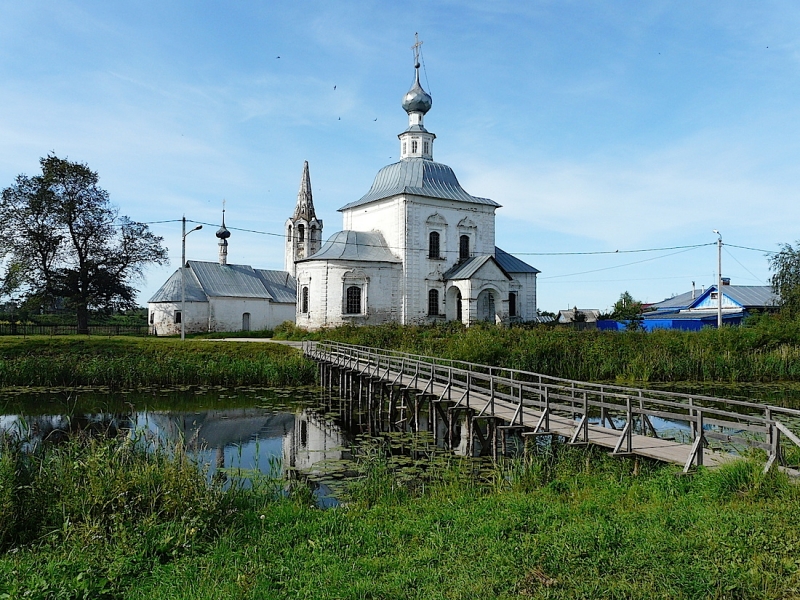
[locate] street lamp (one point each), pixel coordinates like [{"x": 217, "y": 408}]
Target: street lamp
[
  {"x": 184, "y": 233},
  {"x": 719, "y": 278}
]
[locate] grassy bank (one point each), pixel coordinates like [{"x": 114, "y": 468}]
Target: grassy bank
[
  {"x": 112, "y": 522},
  {"x": 768, "y": 349},
  {"x": 125, "y": 362}
]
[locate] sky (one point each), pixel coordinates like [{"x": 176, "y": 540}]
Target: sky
[{"x": 615, "y": 135}]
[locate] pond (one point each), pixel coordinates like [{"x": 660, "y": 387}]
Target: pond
[{"x": 296, "y": 432}]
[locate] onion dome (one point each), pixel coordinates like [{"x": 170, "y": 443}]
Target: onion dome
[
  {"x": 222, "y": 232},
  {"x": 417, "y": 99}
]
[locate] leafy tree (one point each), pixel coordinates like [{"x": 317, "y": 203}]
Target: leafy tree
[
  {"x": 63, "y": 241},
  {"x": 628, "y": 309},
  {"x": 786, "y": 278}
]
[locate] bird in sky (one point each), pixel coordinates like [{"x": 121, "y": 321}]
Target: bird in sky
[{"x": 334, "y": 87}]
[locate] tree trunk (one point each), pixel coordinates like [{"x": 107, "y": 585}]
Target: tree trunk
[{"x": 83, "y": 320}]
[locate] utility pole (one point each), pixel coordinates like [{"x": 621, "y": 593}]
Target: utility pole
[
  {"x": 184, "y": 233},
  {"x": 719, "y": 278}
]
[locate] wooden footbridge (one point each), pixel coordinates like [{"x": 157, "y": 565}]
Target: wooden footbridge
[{"x": 445, "y": 396}]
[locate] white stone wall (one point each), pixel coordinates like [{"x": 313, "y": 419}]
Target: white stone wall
[
  {"x": 220, "y": 314},
  {"x": 405, "y": 222},
  {"x": 326, "y": 281},
  {"x": 525, "y": 286},
  {"x": 161, "y": 317}
]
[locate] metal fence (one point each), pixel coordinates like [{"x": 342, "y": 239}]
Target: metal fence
[{"x": 52, "y": 330}]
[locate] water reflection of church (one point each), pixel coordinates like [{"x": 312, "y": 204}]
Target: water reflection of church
[{"x": 248, "y": 438}]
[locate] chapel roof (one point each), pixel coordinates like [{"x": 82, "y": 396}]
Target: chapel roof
[
  {"x": 211, "y": 279},
  {"x": 420, "y": 177},
  {"x": 364, "y": 246}
]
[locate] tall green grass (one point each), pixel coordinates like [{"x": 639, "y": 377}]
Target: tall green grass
[
  {"x": 563, "y": 523},
  {"x": 131, "y": 362},
  {"x": 767, "y": 350}
]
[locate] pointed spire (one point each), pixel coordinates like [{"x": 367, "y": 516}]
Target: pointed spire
[{"x": 305, "y": 201}]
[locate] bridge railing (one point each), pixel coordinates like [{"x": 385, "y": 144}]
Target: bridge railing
[{"x": 628, "y": 410}]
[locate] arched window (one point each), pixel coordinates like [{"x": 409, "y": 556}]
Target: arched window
[
  {"x": 433, "y": 303},
  {"x": 246, "y": 322},
  {"x": 304, "y": 300},
  {"x": 512, "y": 304},
  {"x": 353, "y": 305},
  {"x": 178, "y": 317},
  {"x": 301, "y": 233},
  {"x": 289, "y": 233},
  {"x": 463, "y": 247},
  {"x": 312, "y": 234},
  {"x": 433, "y": 244},
  {"x": 459, "y": 314}
]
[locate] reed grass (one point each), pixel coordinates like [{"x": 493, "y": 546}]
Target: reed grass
[
  {"x": 126, "y": 362},
  {"x": 764, "y": 351}
]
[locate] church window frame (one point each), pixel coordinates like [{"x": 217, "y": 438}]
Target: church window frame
[
  {"x": 512, "y": 304},
  {"x": 404, "y": 148},
  {"x": 414, "y": 146},
  {"x": 178, "y": 317},
  {"x": 152, "y": 318},
  {"x": 463, "y": 247},
  {"x": 304, "y": 300},
  {"x": 301, "y": 233},
  {"x": 353, "y": 300},
  {"x": 434, "y": 245},
  {"x": 433, "y": 303},
  {"x": 426, "y": 145}
]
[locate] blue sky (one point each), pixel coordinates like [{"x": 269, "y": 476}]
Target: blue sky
[{"x": 599, "y": 126}]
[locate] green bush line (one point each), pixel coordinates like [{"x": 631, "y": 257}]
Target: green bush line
[
  {"x": 766, "y": 349},
  {"x": 122, "y": 363},
  {"x": 101, "y": 519}
]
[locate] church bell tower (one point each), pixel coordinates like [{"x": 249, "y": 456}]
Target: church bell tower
[{"x": 303, "y": 230}]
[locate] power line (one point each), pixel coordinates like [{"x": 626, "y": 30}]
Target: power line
[
  {"x": 741, "y": 265},
  {"x": 405, "y": 248},
  {"x": 611, "y": 251},
  {"x": 636, "y": 262},
  {"x": 748, "y": 248}
]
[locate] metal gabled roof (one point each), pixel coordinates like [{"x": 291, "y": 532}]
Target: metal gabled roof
[
  {"x": 171, "y": 290},
  {"x": 676, "y": 302},
  {"x": 364, "y": 246},
  {"x": 238, "y": 281},
  {"x": 420, "y": 177},
  {"x": 467, "y": 268},
  {"x": 280, "y": 285},
  {"x": 511, "y": 263},
  {"x": 211, "y": 279},
  {"x": 750, "y": 296}
]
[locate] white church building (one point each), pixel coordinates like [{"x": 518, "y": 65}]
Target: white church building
[{"x": 416, "y": 248}]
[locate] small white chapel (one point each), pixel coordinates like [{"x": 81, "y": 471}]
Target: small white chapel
[{"x": 416, "y": 248}]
